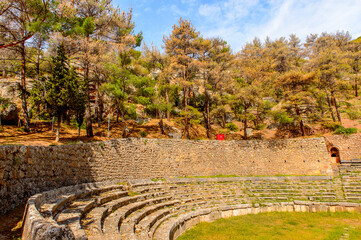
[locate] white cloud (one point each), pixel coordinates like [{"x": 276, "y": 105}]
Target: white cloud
[
  {"x": 207, "y": 10},
  {"x": 239, "y": 21}
]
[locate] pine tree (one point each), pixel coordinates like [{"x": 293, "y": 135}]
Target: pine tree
[
  {"x": 19, "y": 21},
  {"x": 182, "y": 47},
  {"x": 63, "y": 91}
]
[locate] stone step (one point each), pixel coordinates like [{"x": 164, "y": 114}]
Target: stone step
[
  {"x": 92, "y": 222},
  {"x": 121, "y": 212},
  {"x": 71, "y": 216},
  {"x": 128, "y": 227},
  {"x": 143, "y": 229},
  {"x": 51, "y": 207}
]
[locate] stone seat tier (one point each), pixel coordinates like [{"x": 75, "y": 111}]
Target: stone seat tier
[
  {"x": 143, "y": 229},
  {"x": 120, "y": 210},
  {"x": 51, "y": 207},
  {"x": 128, "y": 227},
  {"x": 142, "y": 209},
  {"x": 75, "y": 211},
  {"x": 72, "y": 215},
  {"x": 92, "y": 221},
  {"x": 114, "y": 221}
]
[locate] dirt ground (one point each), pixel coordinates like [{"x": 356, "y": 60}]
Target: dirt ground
[
  {"x": 41, "y": 134},
  {"x": 10, "y": 224}
]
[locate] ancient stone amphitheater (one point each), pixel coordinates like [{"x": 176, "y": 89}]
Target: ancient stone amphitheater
[
  {"x": 164, "y": 209},
  {"x": 147, "y": 189}
]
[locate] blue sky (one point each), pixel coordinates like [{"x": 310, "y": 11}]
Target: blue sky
[{"x": 239, "y": 21}]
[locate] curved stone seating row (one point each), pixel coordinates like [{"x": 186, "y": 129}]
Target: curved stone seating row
[
  {"x": 145, "y": 209},
  {"x": 179, "y": 225},
  {"x": 41, "y": 209}
]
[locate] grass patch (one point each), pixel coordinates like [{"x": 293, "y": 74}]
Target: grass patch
[
  {"x": 158, "y": 179},
  {"x": 295, "y": 226},
  {"x": 230, "y": 176},
  {"x": 132, "y": 193},
  {"x": 215, "y": 176}
]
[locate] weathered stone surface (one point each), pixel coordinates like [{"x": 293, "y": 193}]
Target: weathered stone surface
[
  {"x": 348, "y": 145},
  {"x": 29, "y": 170},
  {"x": 10, "y": 116}
]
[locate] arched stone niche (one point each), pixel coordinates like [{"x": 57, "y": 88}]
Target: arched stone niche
[{"x": 335, "y": 154}]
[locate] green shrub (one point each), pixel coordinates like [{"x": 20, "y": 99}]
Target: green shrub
[
  {"x": 143, "y": 134},
  {"x": 232, "y": 127},
  {"x": 346, "y": 131},
  {"x": 282, "y": 117},
  {"x": 21, "y": 129},
  {"x": 331, "y": 125},
  {"x": 353, "y": 114},
  {"x": 260, "y": 126},
  {"x": 4, "y": 102}
]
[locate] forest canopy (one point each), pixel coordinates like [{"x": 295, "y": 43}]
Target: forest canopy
[{"x": 86, "y": 62}]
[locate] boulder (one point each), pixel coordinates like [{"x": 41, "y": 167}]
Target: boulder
[
  {"x": 10, "y": 116},
  {"x": 175, "y": 133},
  {"x": 249, "y": 132},
  {"x": 229, "y": 118}
]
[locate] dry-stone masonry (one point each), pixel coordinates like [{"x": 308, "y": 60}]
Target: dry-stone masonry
[
  {"x": 122, "y": 206},
  {"x": 348, "y": 145},
  {"x": 27, "y": 170}
]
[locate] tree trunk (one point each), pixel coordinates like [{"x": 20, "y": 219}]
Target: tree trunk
[
  {"x": 302, "y": 127},
  {"x": 88, "y": 121},
  {"x": 207, "y": 117},
  {"x": 257, "y": 120},
  {"x": 23, "y": 89},
  {"x": 245, "y": 123},
  {"x": 101, "y": 110},
  {"x": 124, "y": 133},
  {"x": 321, "y": 107},
  {"x": 336, "y": 107},
  {"x": 167, "y": 99},
  {"x": 330, "y": 107},
  {"x": 356, "y": 85},
  {"x": 161, "y": 125},
  {"x": 223, "y": 120},
  {"x": 186, "y": 124},
  {"x": 98, "y": 103}
]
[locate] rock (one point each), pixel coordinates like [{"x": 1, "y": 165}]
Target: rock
[
  {"x": 140, "y": 113},
  {"x": 141, "y": 120},
  {"x": 273, "y": 126},
  {"x": 175, "y": 133},
  {"x": 173, "y": 129},
  {"x": 10, "y": 116},
  {"x": 229, "y": 118},
  {"x": 249, "y": 132}
]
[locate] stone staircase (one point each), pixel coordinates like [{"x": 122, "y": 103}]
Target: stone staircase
[{"x": 350, "y": 173}]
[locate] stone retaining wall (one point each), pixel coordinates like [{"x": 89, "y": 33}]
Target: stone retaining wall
[
  {"x": 348, "y": 145},
  {"x": 25, "y": 171}
]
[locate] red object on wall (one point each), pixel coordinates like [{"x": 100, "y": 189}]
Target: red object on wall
[{"x": 221, "y": 137}]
